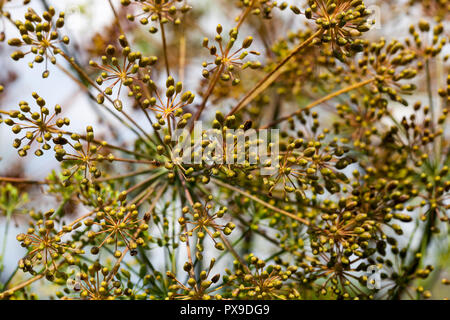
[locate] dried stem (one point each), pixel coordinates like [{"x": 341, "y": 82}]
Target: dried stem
[
  {"x": 272, "y": 76},
  {"x": 164, "y": 41}
]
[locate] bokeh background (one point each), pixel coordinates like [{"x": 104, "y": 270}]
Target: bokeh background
[{"x": 87, "y": 18}]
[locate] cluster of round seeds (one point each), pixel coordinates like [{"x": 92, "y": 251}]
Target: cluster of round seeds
[
  {"x": 118, "y": 225},
  {"x": 262, "y": 8},
  {"x": 202, "y": 223},
  {"x": 44, "y": 244},
  {"x": 427, "y": 42},
  {"x": 130, "y": 69},
  {"x": 227, "y": 62},
  {"x": 340, "y": 21}
]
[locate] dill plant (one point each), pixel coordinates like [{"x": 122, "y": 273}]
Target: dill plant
[{"x": 360, "y": 181}]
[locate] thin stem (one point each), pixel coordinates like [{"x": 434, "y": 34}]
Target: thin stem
[
  {"x": 258, "y": 231},
  {"x": 155, "y": 199},
  {"x": 144, "y": 194},
  {"x": 11, "y": 276},
  {"x": 244, "y": 16},
  {"x": 117, "y": 17},
  {"x": 115, "y": 269},
  {"x": 149, "y": 179},
  {"x": 425, "y": 242}
]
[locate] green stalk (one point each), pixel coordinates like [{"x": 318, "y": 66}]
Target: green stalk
[{"x": 429, "y": 89}]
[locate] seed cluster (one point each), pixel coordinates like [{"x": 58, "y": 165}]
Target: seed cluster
[
  {"x": 161, "y": 11},
  {"x": 320, "y": 171}
]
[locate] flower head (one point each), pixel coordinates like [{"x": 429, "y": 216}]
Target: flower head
[
  {"x": 39, "y": 127},
  {"x": 41, "y": 36},
  {"x": 227, "y": 62},
  {"x": 161, "y": 11},
  {"x": 129, "y": 69},
  {"x": 117, "y": 224},
  {"x": 173, "y": 101}
]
